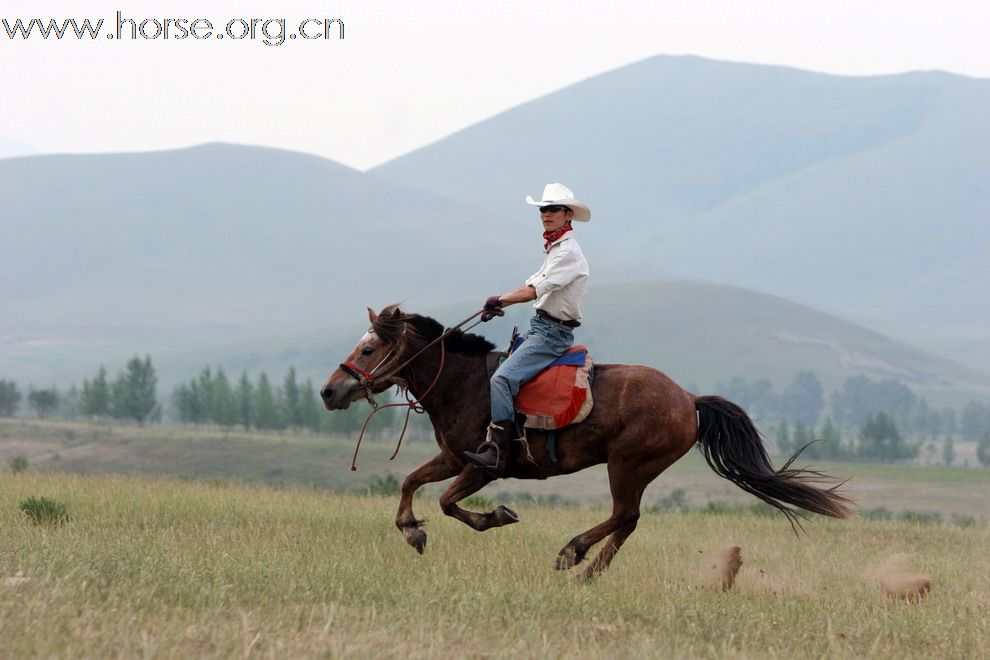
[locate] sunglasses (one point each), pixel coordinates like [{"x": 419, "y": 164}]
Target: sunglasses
[{"x": 553, "y": 208}]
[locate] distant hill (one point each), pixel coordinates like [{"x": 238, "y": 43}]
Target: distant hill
[
  {"x": 176, "y": 248},
  {"x": 260, "y": 258},
  {"x": 864, "y": 196},
  {"x": 10, "y": 148}
]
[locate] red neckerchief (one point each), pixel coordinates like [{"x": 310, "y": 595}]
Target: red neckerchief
[{"x": 550, "y": 237}]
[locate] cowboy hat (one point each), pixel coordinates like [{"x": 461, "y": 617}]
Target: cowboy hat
[{"x": 558, "y": 193}]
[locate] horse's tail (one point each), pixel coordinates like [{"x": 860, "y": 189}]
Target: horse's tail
[{"x": 734, "y": 449}]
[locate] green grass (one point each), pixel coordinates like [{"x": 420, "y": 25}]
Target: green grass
[
  {"x": 44, "y": 511},
  {"x": 161, "y": 568}
]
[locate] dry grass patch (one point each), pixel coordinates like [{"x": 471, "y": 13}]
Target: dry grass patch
[{"x": 164, "y": 568}]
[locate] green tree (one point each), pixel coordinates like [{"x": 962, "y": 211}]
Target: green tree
[
  {"x": 292, "y": 400},
  {"x": 880, "y": 439},
  {"x": 133, "y": 395},
  {"x": 312, "y": 409},
  {"x": 782, "y": 436},
  {"x": 831, "y": 440},
  {"x": 266, "y": 409},
  {"x": 185, "y": 403},
  {"x": 861, "y": 397},
  {"x": 983, "y": 450},
  {"x": 802, "y": 399},
  {"x": 948, "y": 451},
  {"x": 223, "y": 407},
  {"x": 975, "y": 420},
  {"x": 10, "y": 398},
  {"x": 802, "y": 436},
  {"x": 194, "y": 401},
  {"x": 95, "y": 398},
  {"x": 244, "y": 401},
  {"x": 201, "y": 390},
  {"x": 44, "y": 402}
]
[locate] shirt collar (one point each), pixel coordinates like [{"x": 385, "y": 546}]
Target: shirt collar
[{"x": 560, "y": 240}]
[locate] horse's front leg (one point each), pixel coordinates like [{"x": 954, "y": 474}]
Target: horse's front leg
[
  {"x": 435, "y": 469},
  {"x": 470, "y": 481}
]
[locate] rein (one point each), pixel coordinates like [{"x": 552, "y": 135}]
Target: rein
[{"x": 366, "y": 380}]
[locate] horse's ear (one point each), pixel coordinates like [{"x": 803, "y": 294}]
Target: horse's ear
[{"x": 372, "y": 316}]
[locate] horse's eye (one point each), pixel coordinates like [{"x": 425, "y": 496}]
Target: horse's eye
[{"x": 367, "y": 350}]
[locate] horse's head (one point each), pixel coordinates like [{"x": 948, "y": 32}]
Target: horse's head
[{"x": 368, "y": 367}]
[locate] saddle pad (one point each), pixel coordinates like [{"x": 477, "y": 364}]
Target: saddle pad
[{"x": 560, "y": 394}]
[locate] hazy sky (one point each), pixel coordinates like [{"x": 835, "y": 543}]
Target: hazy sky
[{"x": 408, "y": 73}]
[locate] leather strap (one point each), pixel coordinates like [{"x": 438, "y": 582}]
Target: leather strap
[{"x": 569, "y": 324}]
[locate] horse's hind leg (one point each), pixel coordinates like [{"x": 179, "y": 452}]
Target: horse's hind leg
[
  {"x": 435, "y": 469},
  {"x": 627, "y": 491},
  {"x": 607, "y": 553},
  {"x": 470, "y": 481},
  {"x": 627, "y": 481}
]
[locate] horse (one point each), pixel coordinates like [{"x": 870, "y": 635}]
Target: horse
[{"x": 642, "y": 422}]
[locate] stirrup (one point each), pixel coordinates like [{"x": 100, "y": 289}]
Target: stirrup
[{"x": 495, "y": 469}]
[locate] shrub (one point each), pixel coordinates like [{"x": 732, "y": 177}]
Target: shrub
[
  {"x": 387, "y": 485},
  {"x": 43, "y": 511},
  {"x": 675, "y": 500},
  {"x": 920, "y": 517},
  {"x": 880, "y": 513},
  {"x": 963, "y": 521},
  {"x": 18, "y": 463}
]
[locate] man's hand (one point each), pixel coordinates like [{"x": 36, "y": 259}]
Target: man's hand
[{"x": 493, "y": 308}]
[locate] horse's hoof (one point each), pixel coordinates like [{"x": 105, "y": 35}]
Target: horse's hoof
[
  {"x": 505, "y": 516},
  {"x": 565, "y": 560},
  {"x": 417, "y": 539}
]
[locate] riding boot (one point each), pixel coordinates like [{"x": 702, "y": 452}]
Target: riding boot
[{"x": 493, "y": 454}]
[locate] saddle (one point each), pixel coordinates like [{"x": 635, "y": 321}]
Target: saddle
[{"x": 559, "y": 395}]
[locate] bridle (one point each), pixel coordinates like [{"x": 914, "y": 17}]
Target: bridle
[{"x": 368, "y": 379}]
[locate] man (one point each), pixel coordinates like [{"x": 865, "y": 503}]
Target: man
[{"x": 558, "y": 288}]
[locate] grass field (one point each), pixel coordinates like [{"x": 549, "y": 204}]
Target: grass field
[{"x": 165, "y": 568}]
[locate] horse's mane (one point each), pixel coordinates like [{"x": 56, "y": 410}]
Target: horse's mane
[{"x": 390, "y": 322}]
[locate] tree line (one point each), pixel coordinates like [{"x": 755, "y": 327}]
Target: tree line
[
  {"x": 210, "y": 398},
  {"x": 853, "y": 404},
  {"x": 881, "y": 420},
  {"x": 876, "y": 420},
  {"x": 131, "y": 395}
]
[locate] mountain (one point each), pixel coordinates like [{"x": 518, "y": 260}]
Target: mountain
[
  {"x": 102, "y": 256},
  {"x": 863, "y": 196},
  {"x": 218, "y": 240}
]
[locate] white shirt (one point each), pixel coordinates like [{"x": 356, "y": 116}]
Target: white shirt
[{"x": 562, "y": 280}]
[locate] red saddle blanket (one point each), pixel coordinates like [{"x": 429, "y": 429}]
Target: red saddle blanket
[{"x": 560, "y": 394}]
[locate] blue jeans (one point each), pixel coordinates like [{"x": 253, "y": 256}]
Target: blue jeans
[{"x": 544, "y": 343}]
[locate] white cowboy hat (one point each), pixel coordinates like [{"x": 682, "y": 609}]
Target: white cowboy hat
[{"x": 558, "y": 193}]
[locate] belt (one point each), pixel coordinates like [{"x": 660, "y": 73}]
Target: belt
[{"x": 569, "y": 324}]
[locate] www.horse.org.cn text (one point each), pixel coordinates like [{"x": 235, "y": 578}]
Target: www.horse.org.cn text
[{"x": 269, "y": 31}]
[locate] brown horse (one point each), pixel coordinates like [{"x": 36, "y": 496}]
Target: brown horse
[{"x": 642, "y": 422}]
